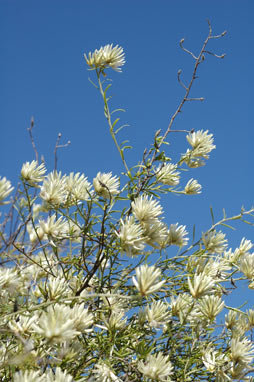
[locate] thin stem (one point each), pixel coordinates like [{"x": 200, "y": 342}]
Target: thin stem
[{"x": 111, "y": 129}]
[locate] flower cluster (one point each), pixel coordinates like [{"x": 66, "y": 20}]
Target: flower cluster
[{"x": 93, "y": 287}]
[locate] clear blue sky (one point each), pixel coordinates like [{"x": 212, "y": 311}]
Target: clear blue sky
[{"x": 43, "y": 73}]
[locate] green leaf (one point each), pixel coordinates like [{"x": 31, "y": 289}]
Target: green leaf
[
  {"x": 211, "y": 211},
  {"x": 115, "y": 122}
]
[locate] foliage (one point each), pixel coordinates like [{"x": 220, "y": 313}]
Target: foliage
[{"x": 89, "y": 290}]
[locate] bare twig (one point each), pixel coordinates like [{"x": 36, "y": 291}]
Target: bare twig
[
  {"x": 194, "y": 99},
  {"x": 57, "y": 146},
  {"x": 186, "y": 50},
  {"x": 215, "y": 55},
  {"x": 32, "y": 138},
  {"x": 198, "y": 60},
  {"x": 179, "y": 79}
]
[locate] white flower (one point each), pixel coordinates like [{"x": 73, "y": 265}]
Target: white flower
[
  {"x": 210, "y": 306},
  {"x": 212, "y": 359},
  {"x": 115, "y": 321},
  {"x": 250, "y": 317},
  {"x": 184, "y": 306},
  {"x": 54, "y": 228},
  {"x": 35, "y": 232},
  {"x": 192, "y": 162},
  {"x": 216, "y": 268},
  {"x": 167, "y": 174},
  {"x": 22, "y": 324},
  {"x": 244, "y": 248},
  {"x": 116, "y": 304},
  {"x": 192, "y": 187},
  {"x": 82, "y": 318},
  {"x": 176, "y": 235},
  {"x": 157, "y": 314},
  {"x": 58, "y": 376},
  {"x": 57, "y": 324},
  {"x": 155, "y": 234},
  {"x": 5, "y": 189},
  {"x": 104, "y": 374},
  {"x": 9, "y": 279},
  {"x": 77, "y": 187},
  {"x": 231, "y": 319},
  {"x": 157, "y": 367},
  {"x": 106, "y": 185},
  {"x": 182, "y": 303},
  {"x": 37, "y": 208},
  {"x": 52, "y": 289},
  {"x": 209, "y": 359},
  {"x": 201, "y": 142},
  {"x": 202, "y": 145},
  {"x": 246, "y": 263},
  {"x": 53, "y": 189},
  {"x": 214, "y": 242},
  {"x": 147, "y": 279},
  {"x": 28, "y": 376},
  {"x": 107, "y": 56},
  {"x": 32, "y": 173},
  {"x": 130, "y": 235},
  {"x": 242, "y": 350},
  {"x": 202, "y": 284},
  {"x": 146, "y": 210}
]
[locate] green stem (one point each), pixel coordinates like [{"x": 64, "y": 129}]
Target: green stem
[{"x": 111, "y": 129}]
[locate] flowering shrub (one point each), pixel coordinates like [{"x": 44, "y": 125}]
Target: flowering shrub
[{"x": 82, "y": 296}]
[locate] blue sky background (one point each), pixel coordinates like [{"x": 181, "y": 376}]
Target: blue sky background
[{"x": 43, "y": 74}]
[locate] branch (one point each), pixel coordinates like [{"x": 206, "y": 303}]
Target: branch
[
  {"x": 57, "y": 146},
  {"x": 32, "y": 139}
]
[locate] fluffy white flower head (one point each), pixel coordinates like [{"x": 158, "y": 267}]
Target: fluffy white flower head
[
  {"x": 131, "y": 237},
  {"x": 53, "y": 189},
  {"x": 56, "y": 324},
  {"x": 158, "y": 367},
  {"x": 177, "y": 235},
  {"x": 201, "y": 142},
  {"x": 54, "y": 228},
  {"x": 33, "y": 173},
  {"x": 77, "y": 187},
  {"x": 52, "y": 289},
  {"x": 23, "y": 325},
  {"x": 28, "y": 376},
  {"x": 210, "y": 306},
  {"x": 242, "y": 350},
  {"x": 103, "y": 373},
  {"x": 167, "y": 174},
  {"x": 58, "y": 376},
  {"x": 201, "y": 285},
  {"x": 5, "y": 189},
  {"x": 246, "y": 263},
  {"x": 156, "y": 234},
  {"x": 157, "y": 314},
  {"x": 244, "y": 248},
  {"x": 9, "y": 279},
  {"x": 108, "y": 56},
  {"x": 214, "y": 242},
  {"x": 146, "y": 209},
  {"x": 192, "y": 187},
  {"x": 106, "y": 185},
  {"x": 147, "y": 280},
  {"x": 212, "y": 359},
  {"x": 82, "y": 318}
]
